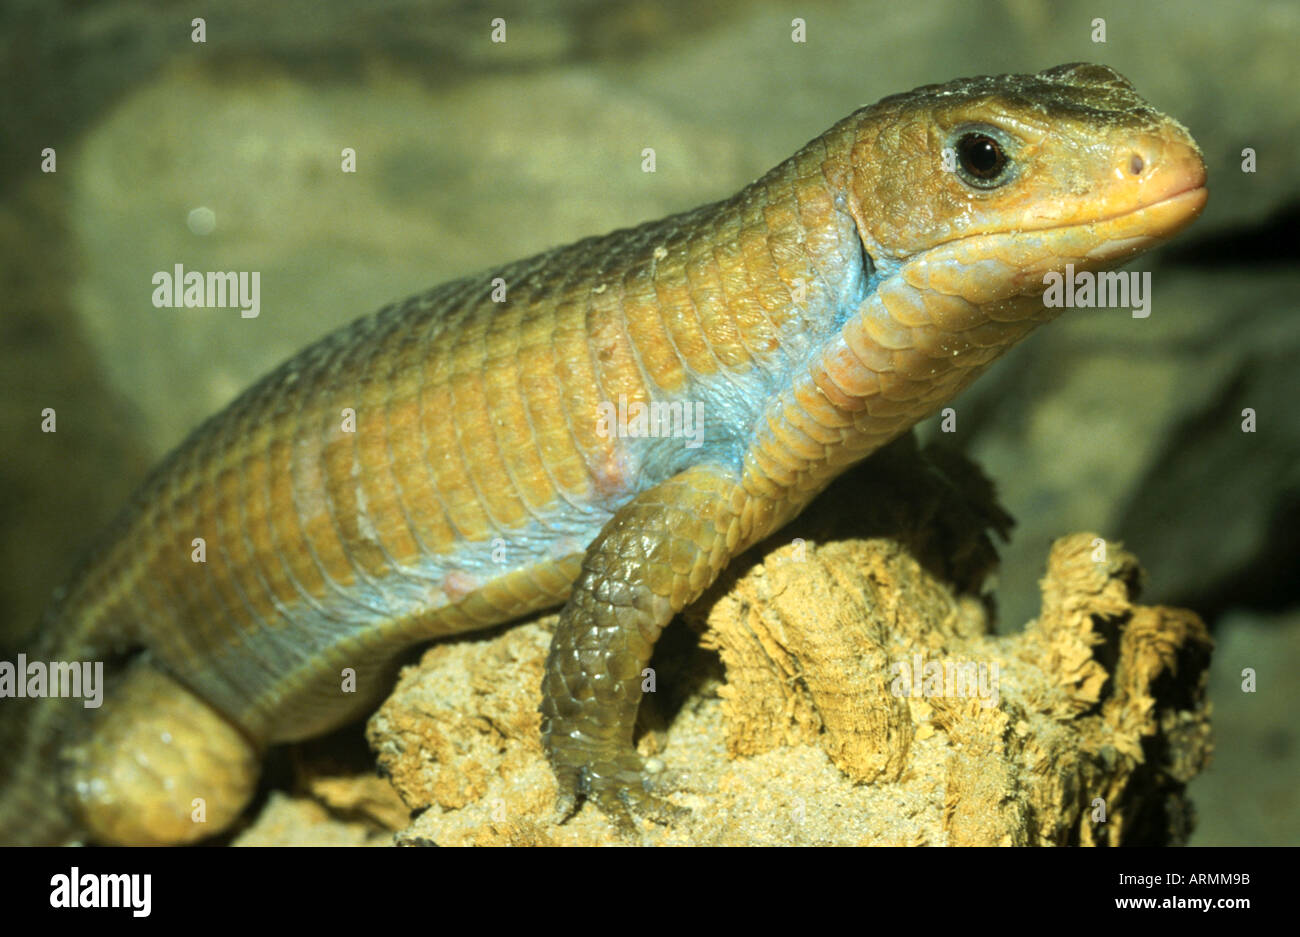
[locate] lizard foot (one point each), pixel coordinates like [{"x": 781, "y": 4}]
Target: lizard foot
[{"x": 620, "y": 786}]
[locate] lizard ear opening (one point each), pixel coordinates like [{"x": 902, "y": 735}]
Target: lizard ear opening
[{"x": 868, "y": 262}]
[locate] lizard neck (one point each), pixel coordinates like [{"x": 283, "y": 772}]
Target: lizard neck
[
  {"x": 722, "y": 310},
  {"x": 908, "y": 348}
]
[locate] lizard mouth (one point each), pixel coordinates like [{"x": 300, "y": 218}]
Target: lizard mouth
[
  {"x": 1157, "y": 188},
  {"x": 994, "y": 267},
  {"x": 1097, "y": 242},
  {"x": 1125, "y": 233}
]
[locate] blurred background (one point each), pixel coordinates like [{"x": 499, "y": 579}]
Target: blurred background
[{"x": 472, "y": 153}]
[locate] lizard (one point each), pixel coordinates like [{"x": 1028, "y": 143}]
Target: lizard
[{"x": 269, "y": 572}]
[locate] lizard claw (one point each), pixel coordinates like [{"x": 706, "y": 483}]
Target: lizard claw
[{"x": 566, "y": 798}]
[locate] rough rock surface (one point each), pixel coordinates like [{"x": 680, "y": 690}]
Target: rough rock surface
[{"x": 802, "y": 727}]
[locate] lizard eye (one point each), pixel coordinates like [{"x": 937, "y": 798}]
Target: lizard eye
[{"x": 982, "y": 160}]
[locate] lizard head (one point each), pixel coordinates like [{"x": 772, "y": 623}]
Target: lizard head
[{"x": 994, "y": 182}]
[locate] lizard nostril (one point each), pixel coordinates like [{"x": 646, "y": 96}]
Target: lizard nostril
[{"x": 1136, "y": 164}]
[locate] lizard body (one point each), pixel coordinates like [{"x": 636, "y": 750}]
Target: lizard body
[{"x": 809, "y": 319}]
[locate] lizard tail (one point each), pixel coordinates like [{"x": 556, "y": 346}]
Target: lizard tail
[{"x": 32, "y": 811}]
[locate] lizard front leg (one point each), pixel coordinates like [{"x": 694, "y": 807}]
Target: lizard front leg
[{"x": 656, "y": 555}]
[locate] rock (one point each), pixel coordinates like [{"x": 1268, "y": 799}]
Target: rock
[{"x": 863, "y": 697}]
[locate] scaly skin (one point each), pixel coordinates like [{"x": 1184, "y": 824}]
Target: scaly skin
[{"x": 814, "y": 316}]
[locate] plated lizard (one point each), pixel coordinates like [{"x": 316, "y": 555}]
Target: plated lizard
[{"x": 500, "y": 465}]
